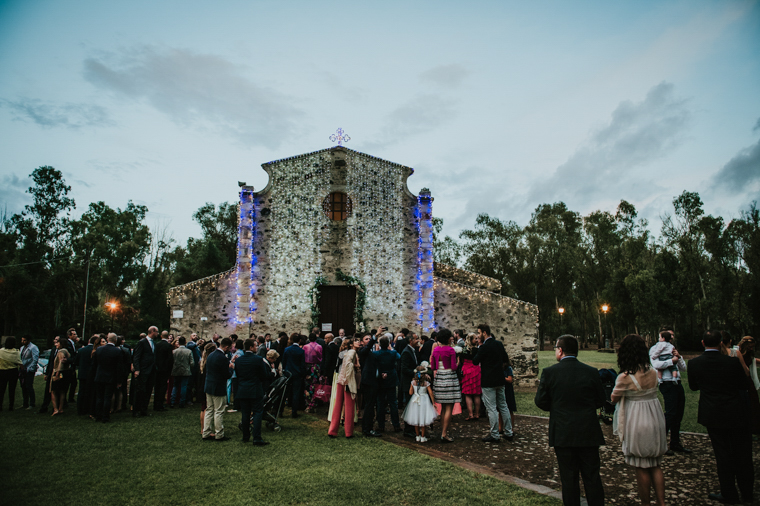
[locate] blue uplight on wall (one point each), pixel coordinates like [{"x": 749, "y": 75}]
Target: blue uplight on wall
[
  {"x": 245, "y": 300},
  {"x": 425, "y": 292}
]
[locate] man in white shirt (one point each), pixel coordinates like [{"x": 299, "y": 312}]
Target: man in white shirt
[{"x": 672, "y": 393}]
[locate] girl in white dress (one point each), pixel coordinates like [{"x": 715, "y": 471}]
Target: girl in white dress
[{"x": 420, "y": 411}]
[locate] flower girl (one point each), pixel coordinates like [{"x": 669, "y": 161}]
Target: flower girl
[{"x": 420, "y": 411}]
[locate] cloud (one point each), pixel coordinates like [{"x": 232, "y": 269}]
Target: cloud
[
  {"x": 199, "y": 90},
  {"x": 420, "y": 115},
  {"x": 50, "y": 115},
  {"x": 446, "y": 76},
  {"x": 638, "y": 133},
  {"x": 757, "y": 126},
  {"x": 742, "y": 172},
  {"x": 13, "y": 194}
]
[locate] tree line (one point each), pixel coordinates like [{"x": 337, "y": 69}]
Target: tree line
[
  {"x": 700, "y": 273},
  {"x": 57, "y": 272}
]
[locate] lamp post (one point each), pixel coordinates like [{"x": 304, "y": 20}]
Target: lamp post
[
  {"x": 561, "y": 312},
  {"x": 605, "y": 308},
  {"x": 112, "y": 306}
]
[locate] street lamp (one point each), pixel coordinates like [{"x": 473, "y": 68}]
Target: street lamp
[
  {"x": 561, "y": 312},
  {"x": 605, "y": 308},
  {"x": 112, "y": 306}
]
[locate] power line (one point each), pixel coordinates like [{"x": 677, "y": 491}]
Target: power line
[{"x": 32, "y": 263}]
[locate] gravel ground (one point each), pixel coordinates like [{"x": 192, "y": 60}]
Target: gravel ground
[{"x": 688, "y": 478}]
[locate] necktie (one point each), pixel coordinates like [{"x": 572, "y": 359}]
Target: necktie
[{"x": 152, "y": 348}]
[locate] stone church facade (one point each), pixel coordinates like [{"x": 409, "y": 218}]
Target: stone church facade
[{"x": 337, "y": 240}]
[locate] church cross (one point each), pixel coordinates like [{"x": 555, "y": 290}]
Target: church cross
[{"x": 340, "y": 137}]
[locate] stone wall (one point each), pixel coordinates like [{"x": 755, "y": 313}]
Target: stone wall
[{"x": 458, "y": 306}]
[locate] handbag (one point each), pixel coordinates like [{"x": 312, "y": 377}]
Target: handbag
[{"x": 323, "y": 392}]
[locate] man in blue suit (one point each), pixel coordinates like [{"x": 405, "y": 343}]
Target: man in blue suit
[
  {"x": 109, "y": 362},
  {"x": 252, "y": 373},
  {"x": 387, "y": 377},
  {"x": 217, "y": 374},
  {"x": 294, "y": 362}
]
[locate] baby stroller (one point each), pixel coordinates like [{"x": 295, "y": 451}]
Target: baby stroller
[
  {"x": 608, "y": 377},
  {"x": 274, "y": 401}
]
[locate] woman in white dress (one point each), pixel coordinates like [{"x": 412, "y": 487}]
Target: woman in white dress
[{"x": 639, "y": 421}]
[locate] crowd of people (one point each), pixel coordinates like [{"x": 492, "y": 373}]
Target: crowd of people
[
  {"x": 726, "y": 377},
  {"x": 369, "y": 377},
  {"x": 365, "y": 377}
]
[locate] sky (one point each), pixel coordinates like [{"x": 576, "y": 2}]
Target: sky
[{"x": 498, "y": 106}]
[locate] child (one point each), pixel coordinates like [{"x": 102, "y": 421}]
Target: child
[
  {"x": 419, "y": 411},
  {"x": 663, "y": 351}
]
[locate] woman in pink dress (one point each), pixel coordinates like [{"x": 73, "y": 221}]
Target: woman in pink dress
[{"x": 471, "y": 378}]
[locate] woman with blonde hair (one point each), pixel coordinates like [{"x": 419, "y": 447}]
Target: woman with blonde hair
[{"x": 347, "y": 388}]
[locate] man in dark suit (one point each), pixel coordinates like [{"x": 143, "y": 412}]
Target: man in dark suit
[
  {"x": 402, "y": 341},
  {"x": 164, "y": 364},
  {"x": 329, "y": 357},
  {"x": 217, "y": 373},
  {"x": 493, "y": 359},
  {"x": 369, "y": 386},
  {"x": 144, "y": 363},
  {"x": 252, "y": 373},
  {"x": 572, "y": 392},
  {"x": 408, "y": 363},
  {"x": 724, "y": 411},
  {"x": 294, "y": 361},
  {"x": 427, "y": 347},
  {"x": 83, "y": 363},
  {"x": 386, "y": 360},
  {"x": 109, "y": 362}
]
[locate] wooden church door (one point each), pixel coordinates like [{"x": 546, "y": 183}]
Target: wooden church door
[{"x": 336, "y": 307}]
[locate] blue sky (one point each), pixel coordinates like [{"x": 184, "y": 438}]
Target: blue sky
[{"x": 499, "y": 106}]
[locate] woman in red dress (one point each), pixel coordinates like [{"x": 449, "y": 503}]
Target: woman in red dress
[{"x": 471, "y": 378}]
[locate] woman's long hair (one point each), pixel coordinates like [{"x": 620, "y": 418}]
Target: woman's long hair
[
  {"x": 633, "y": 355},
  {"x": 469, "y": 342},
  {"x": 207, "y": 350},
  {"x": 747, "y": 347}
]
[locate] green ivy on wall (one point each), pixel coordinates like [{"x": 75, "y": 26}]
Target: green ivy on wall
[{"x": 361, "y": 296}]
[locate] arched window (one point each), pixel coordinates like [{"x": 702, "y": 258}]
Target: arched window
[{"x": 337, "y": 206}]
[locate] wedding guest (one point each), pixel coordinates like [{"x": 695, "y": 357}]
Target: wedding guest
[
  {"x": 181, "y": 372},
  {"x": 445, "y": 381},
  {"x": 408, "y": 366},
  {"x": 293, "y": 361},
  {"x": 386, "y": 360},
  {"x": 61, "y": 375},
  {"x": 30, "y": 355},
  {"x": 313, "y": 358},
  {"x": 208, "y": 349},
  {"x": 345, "y": 393},
  {"x": 723, "y": 410},
  {"x": 492, "y": 358},
  {"x": 640, "y": 422},
  {"x": 10, "y": 361},
  {"x": 471, "y": 378},
  {"x": 420, "y": 411}
]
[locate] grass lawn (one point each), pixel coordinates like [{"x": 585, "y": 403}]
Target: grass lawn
[
  {"x": 162, "y": 460},
  {"x": 593, "y": 358}
]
